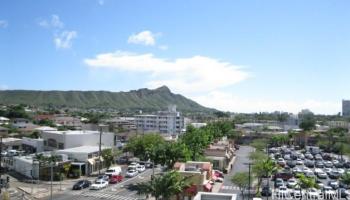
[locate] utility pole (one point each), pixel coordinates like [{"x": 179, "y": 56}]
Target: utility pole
[
  {"x": 51, "y": 179},
  {"x": 0, "y": 160},
  {"x": 249, "y": 178},
  {"x": 99, "y": 149}
]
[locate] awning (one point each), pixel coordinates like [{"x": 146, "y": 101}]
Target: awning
[
  {"x": 207, "y": 187},
  {"x": 91, "y": 161}
]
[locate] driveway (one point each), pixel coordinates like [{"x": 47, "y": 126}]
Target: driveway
[{"x": 242, "y": 157}]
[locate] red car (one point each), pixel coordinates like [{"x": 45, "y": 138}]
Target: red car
[{"x": 115, "y": 179}]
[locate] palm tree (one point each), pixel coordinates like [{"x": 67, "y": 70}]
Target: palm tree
[
  {"x": 164, "y": 187},
  {"x": 264, "y": 168}
]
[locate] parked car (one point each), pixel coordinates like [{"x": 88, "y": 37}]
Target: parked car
[
  {"x": 291, "y": 183},
  {"x": 81, "y": 184},
  {"x": 328, "y": 170},
  {"x": 328, "y": 164},
  {"x": 310, "y": 175},
  {"x": 291, "y": 163},
  {"x": 115, "y": 179},
  {"x": 319, "y": 164},
  {"x": 322, "y": 175},
  {"x": 131, "y": 173},
  {"x": 320, "y": 184},
  {"x": 309, "y": 163},
  {"x": 334, "y": 174},
  {"x": 279, "y": 182},
  {"x": 333, "y": 184},
  {"x": 347, "y": 165},
  {"x": 339, "y": 165},
  {"x": 299, "y": 162},
  {"x": 102, "y": 177},
  {"x": 147, "y": 164},
  {"x": 344, "y": 193},
  {"x": 99, "y": 184},
  {"x": 140, "y": 168},
  {"x": 266, "y": 191},
  {"x": 281, "y": 162},
  {"x": 285, "y": 175},
  {"x": 133, "y": 165},
  {"x": 218, "y": 173},
  {"x": 318, "y": 157},
  {"x": 328, "y": 193}
]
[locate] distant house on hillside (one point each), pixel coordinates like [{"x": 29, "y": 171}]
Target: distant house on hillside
[
  {"x": 4, "y": 120},
  {"x": 67, "y": 121}
]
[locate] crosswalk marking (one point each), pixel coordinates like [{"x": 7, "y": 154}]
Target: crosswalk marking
[
  {"x": 106, "y": 195},
  {"x": 229, "y": 187}
]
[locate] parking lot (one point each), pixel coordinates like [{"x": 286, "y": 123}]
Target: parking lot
[{"x": 310, "y": 163}]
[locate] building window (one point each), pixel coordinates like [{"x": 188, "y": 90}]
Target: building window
[
  {"x": 60, "y": 145},
  {"x": 52, "y": 143}
]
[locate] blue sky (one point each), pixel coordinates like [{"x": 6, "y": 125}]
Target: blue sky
[{"x": 241, "y": 56}]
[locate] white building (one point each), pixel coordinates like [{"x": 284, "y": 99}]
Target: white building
[
  {"x": 54, "y": 140},
  {"x": 84, "y": 157},
  {"x": 26, "y": 165},
  {"x": 165, "y": 122},
  {"x": 214, "y": 196},
  {"x": 32, "y": 145},
  {"x": 346, "y": 108},
  {"x": 4, "y": 120}
]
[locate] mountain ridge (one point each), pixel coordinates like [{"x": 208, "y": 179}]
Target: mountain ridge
[{"x": 133, "y": 100}]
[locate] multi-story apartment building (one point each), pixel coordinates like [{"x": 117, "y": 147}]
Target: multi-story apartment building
[
  {"x": 346, "y": 108},
  {"x": 164, "y": 122}
]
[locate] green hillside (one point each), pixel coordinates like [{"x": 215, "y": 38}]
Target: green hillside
[{"x": 144, "y": 99}]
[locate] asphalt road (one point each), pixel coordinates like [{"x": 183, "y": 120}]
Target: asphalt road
[
  {"x": 120, "y": 191},
  {"x": 242, "y": 157}
]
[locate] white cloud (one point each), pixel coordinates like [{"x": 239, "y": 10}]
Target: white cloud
[
  {"x": 54, "y": 22},
  {"x": 61, "y": 38},
  {"x": 64, "y": 39},
  {"x": 3, "y": 23},
  {"x": 146, "y": 38},
  {"x": 192, "y": 75},
  {"x": 229, "y": 102}
]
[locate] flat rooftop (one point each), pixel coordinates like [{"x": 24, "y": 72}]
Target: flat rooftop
[
  {"x": 83, "y": 149},
  {"x": 76, "y": 132}
]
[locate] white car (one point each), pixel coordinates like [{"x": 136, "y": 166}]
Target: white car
[
  {"x": 281, "y": 161},
  {"x": 328, "y": 170},
  {"x": 318, "y": 170},
  {"x": 299, "y": 162},
  {"x": 140, "y": 168},
  {"x": 131, "y": 173},
  {"x": 306, "y": 170},
  {"x": 99, "y": 184},
  {"x": 322, "y": 175},
  {"x": 133, "y": 165},
  {"x": 292, "y": 183},
  {"x": 341, "y": 171},
  {"x": 313, "y": 193}
]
